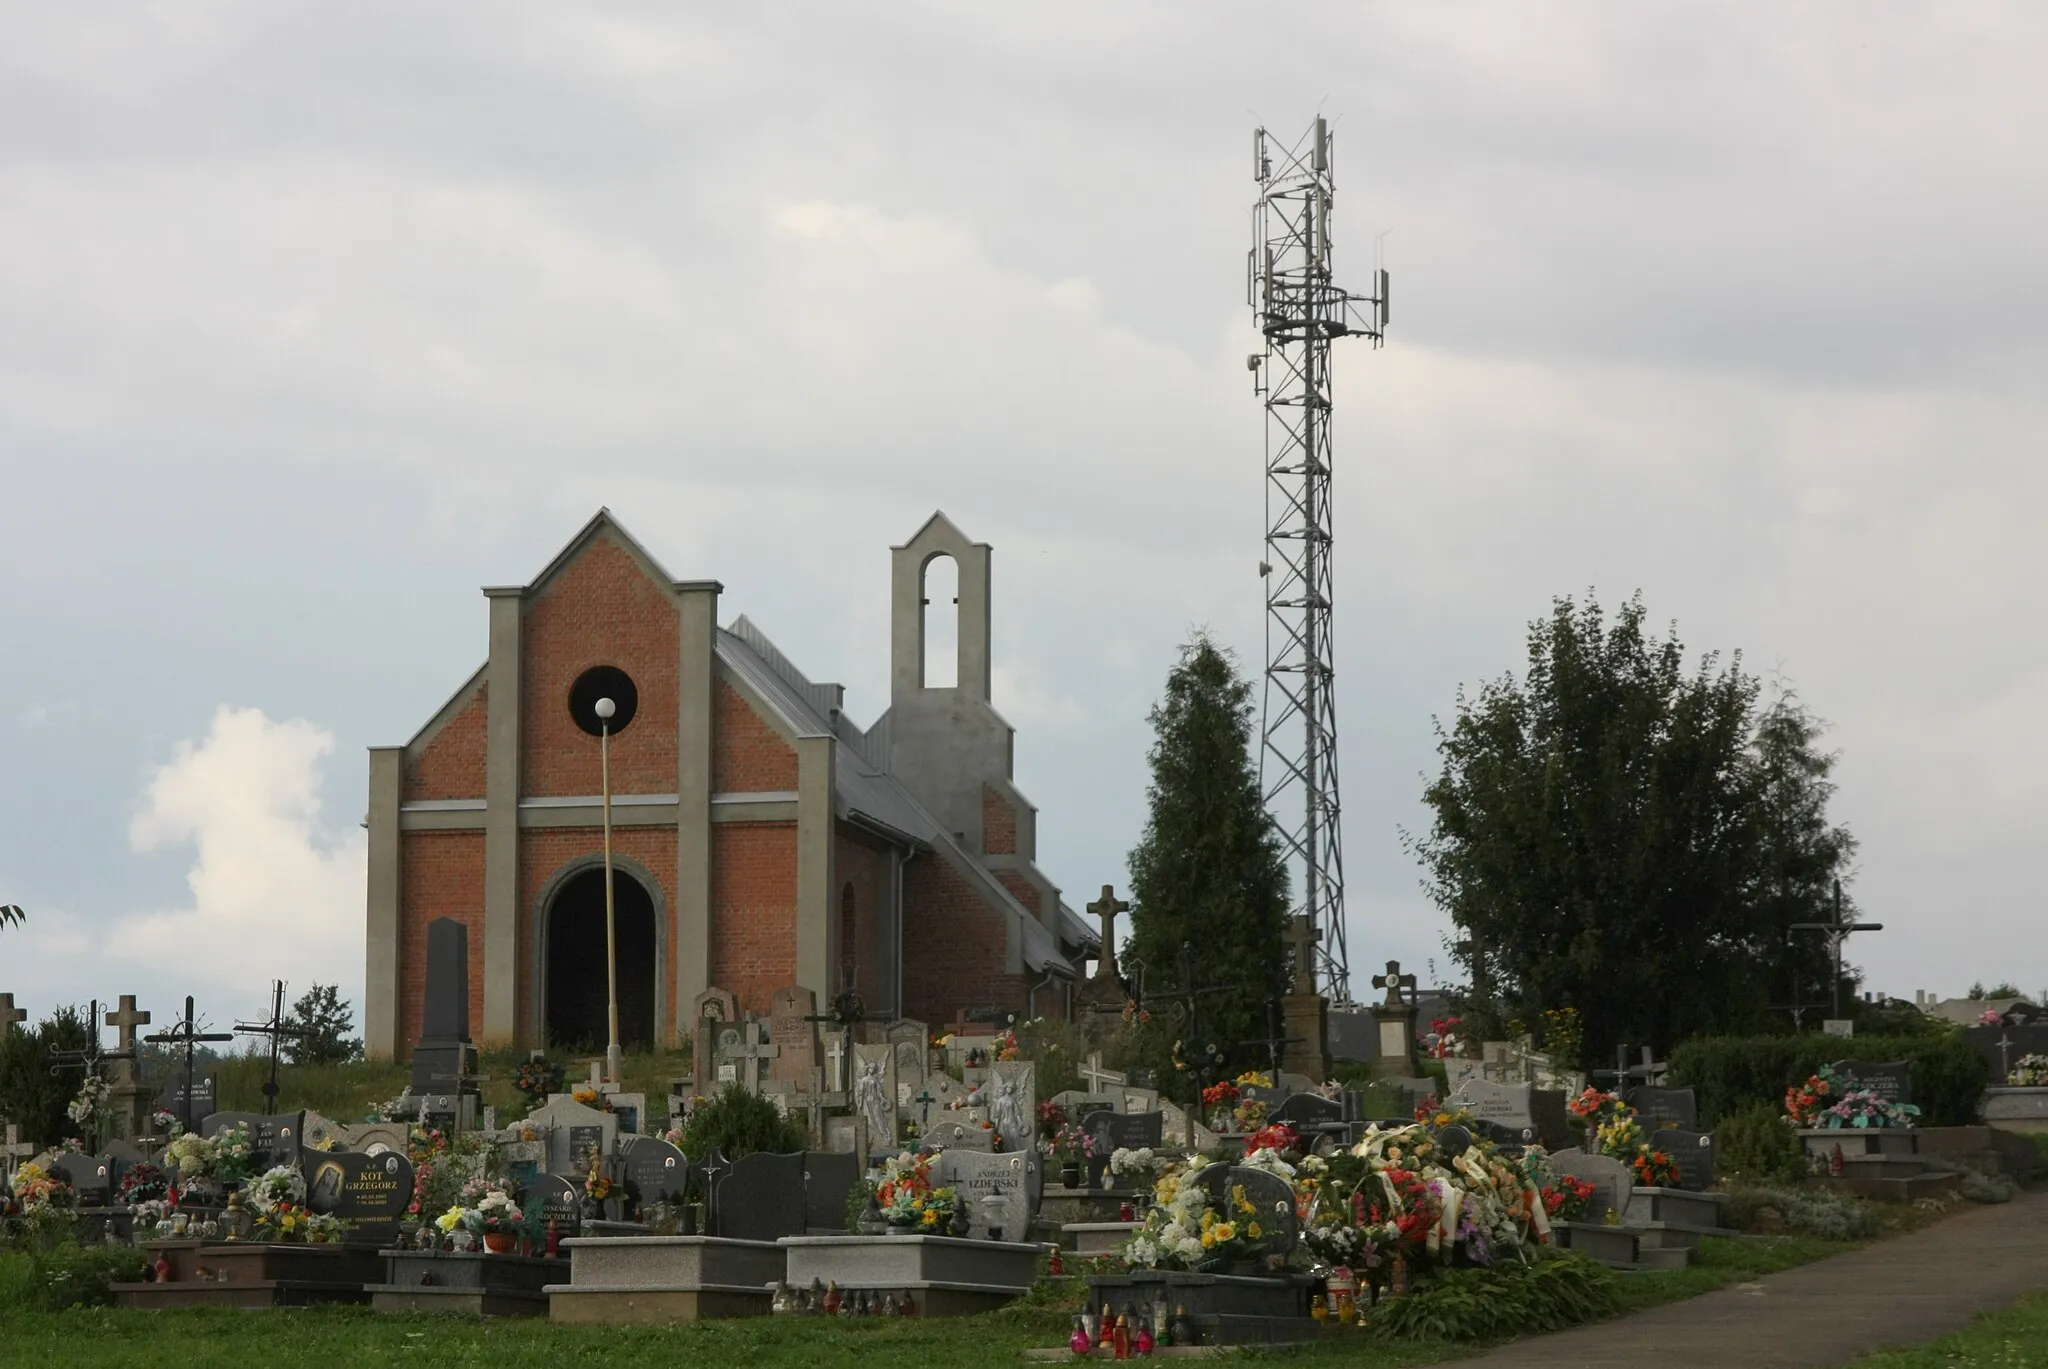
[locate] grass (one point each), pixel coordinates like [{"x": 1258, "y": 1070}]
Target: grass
[
  {"x": 2016, "y": 1337},
  {"x": 341, "y": 1338}
]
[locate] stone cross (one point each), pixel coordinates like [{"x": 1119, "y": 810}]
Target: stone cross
[
  {"x": 9, "y": 1015},
  {"x": 125, "y": 1021},
  {"x": 15, "y": 1151},
  {"x": 604, "y": 1087},
  {"x": 1302, "y": 937},
  {"x": 1096, "y": 1075},
  {"x": 753, "y": 1052},
  {"x": 836, "y": 1052},
  {"x": 1393, "y": 981},
  {"x": 1106, "y": 908}
]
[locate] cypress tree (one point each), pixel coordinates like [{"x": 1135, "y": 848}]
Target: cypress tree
[{"x": 1209, "y": 873}]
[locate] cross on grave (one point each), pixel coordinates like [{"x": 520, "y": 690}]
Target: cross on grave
[
  {"x": 752, "y": 1051},
  {"x": 598, "y": 1083},
  {"x": 278, "y": 1032},
  {"x": 1276, "y": 1040},
  {"x": 9, "y": 1015},
  {"x": 125, "y": 1021},
  {"x": 835, "y": 1051},
  {"x": 1395, "y": 983},
  {"x": 85, "y": 1058},
  {"x": 924, "y": 1097},
  {"x": 1106, "y": 908},
  {"x": 1301, "y": 936},
  {"x": 1187, "y": 1001},
  {"x": 13, "y": 1152},
  {"x": 2004, "y": 1056},
  {"x": 188, "y": 1035},
  {"x": 1096, "y": 1075}
]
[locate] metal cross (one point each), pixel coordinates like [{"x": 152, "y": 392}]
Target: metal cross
[
  {"x": 85, "y": 1058},
  {"x": 188, "y": 1035},
  {"x": 1106, "y": 908},
  {"x": 1276, "y": 1040},
  {"x": 924, "y": 1096},
  {"x": 1394, "y": 982},
  {"x": 1836, "y": 932},
  {"x": 278, "y": 1032}
]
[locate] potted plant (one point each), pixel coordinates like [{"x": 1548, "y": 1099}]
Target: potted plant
[
  {"x": 500, "y": 1219},
  {"x": 1070, "y": 1146}
]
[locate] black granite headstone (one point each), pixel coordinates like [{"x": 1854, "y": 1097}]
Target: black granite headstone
[
  {"x": 445, "y": 1016},
  {"x": 369, "y": 1192},
  {"x": 761, "y": 1198},
  {"x": 273, "y": 1140},
  {"x": 205, "y": 1096},
  {"x": 1308, "y": 1111},
  {"x": 120, "y": 1157},
  {"x": 583, "y": 1142},
  {"x": 1271, "y": 1198},
  {"x": 1692, "y": 1151},
  {"x": 560, "y": 1202},
  {"x": 1890, "y": 1080},
  {"x": 656, "y": 1171},
  {"x": 1115, "y": 1131},
  {"x": 87, "y": 1176},
  {"x": 828, "y": 1176},
  {"x": 1657, "y": 1107}
]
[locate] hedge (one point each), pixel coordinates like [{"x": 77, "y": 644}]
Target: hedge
[{"x": 1730, "y": 1073}]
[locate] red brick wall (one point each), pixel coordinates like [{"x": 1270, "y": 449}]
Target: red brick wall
[
  {"x": 451, "y": 766},
  {"x": 998, "y": 823},
  {"x": 601, "y": 610},
  {"x": 952, "y": 945},
  {"x": 1023, "y": 889},
  {"x": 747, "y": 755},
  {"x": 753, "y": 910},
  {"x": 545, "y": 850},
  {"x": 440, "y": 874},
  {"x": 864, "y": 868}
]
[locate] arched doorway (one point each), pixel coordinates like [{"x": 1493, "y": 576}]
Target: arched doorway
[{"x": 576, "y": 989}]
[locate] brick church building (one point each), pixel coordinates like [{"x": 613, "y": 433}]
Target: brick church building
[{"x": 760, "y": 837}]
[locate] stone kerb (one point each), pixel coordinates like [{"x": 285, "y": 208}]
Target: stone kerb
[
  {"x": 622, "y": 1279},
  {"x": 943, "y": 1275}
]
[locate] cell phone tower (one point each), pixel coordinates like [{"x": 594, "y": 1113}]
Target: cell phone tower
[{"x": 1300, "y": 311}]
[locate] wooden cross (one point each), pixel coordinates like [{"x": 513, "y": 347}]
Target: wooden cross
[
  {"x": 9, "y": 1015},
  {"x": 1096, "y": 1075},
  {"x": 1106, "y": 908},
  {"x": 1394, "y": 982},
  {"x": 1301, "y": 935}
]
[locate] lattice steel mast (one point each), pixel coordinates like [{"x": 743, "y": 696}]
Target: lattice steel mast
[{"x": 1299, "y": 311}]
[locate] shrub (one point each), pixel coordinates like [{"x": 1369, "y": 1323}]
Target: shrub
[
  {"x": 1550, "y": 1293},
  {"x": 69, "y": 1275},
  {"x": 739, "y": 1123},
  {"x": 1758, "y": 1144},
  {"x": 1731, "y": 1073},
  {"x": 1816, "y": 1212}
]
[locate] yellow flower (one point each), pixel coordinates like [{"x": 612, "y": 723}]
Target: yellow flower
[
  {"x": 1226, "y": 1231},
  {"x": 1254, "y": 1232},
  {"x": 1208, "y": 1240},
  {"x": 1208, "y": 1220},
  {"x": 931, "y": 1218}
]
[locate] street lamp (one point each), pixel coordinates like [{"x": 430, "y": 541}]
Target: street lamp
[
  {"x": 1837, "y": 932},
  {"x": 613, "y": 1065}
]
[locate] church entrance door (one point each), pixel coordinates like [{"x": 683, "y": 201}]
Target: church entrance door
[{"x": 576, "y": 992}]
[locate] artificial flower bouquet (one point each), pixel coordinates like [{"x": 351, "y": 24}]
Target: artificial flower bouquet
[
  {"x": 283, "y": 1185},
  {"x": 2028, "y": 1072},
  {"x": 36, "y": 1187},
  {"x": 1823, "y": 1103},
  {"x": 907, "y": 1198},
  {"x": 1138, "y": 1167},
  {"x": 497, "y": 1215},
  {"x": 1446, "y": 1039},
  {"x": 1654, "y": 1169},
  {"x": 144, "y": 1183},
  {"x": 1569, "y": 1199}
]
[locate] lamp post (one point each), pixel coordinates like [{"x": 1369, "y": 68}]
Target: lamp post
[{"x": 613, "y": 1065}]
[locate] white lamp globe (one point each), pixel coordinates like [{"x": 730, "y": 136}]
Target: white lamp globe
[{"x": 605, "y": 708}]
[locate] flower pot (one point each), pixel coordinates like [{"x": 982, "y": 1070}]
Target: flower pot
[
  {"x": 895, "y": 1230},
  {"x": 498, "y": 1242},
  {"x": 1070, "y": 1176}
]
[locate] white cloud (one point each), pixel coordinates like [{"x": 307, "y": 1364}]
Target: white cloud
[{"x": 275, "y": 894}]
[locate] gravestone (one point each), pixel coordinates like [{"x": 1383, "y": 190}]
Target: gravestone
[
  {"x": 444, "y": 1061},
  {"x": 953, "y": 1134},
  {"x": 525, "y": 1162},
  {"x": 707, "y": 1011},
  {"x": 656, "y": 1171},
  {"x": 1658, "y": 1107},
  {"x": 793, "y": 1035},
  {"x": 1137, "y": 1098},
  {"x": 90, "y": 1177},
  {"x": 1457, "y": 1071},
  {"x": 205, "y": 1096},
  {"x": 911, "y": 1040},
  {"x": 744, "y": 1054},
  {"x": 761, "y": 1198},
  {"x": 1011, "y": 1097},
  {"x": 1693, "y": 1151},
  {"x": 318, "y": 1133},
  {"x": 273, "y": 1140},
  {"x": 1078, "y": 1104},
  {"x": 1613, "y": 1182},
  {"x": 1504, "y": 1105},
  {"x": 874, "y": 1095},
  {"x": 946, "y": 1091},
  {"x": 1891, "y": 1080},
  {"x": 828, "y": 1177},
  {"x": 1553, "y": 1117},
  {"x": 366, "y": 1137},
  {"x": 559, "y": 1201},
  {"x": 1271, "y": 1198},
  {"x": 568, "y": 1128},
  {"x": 1308, "y": 1112},
  {"x": 1114, "y": 1131},
  {"x": 978, "y": 1177},
  {"x": 369, "y": 1192}
]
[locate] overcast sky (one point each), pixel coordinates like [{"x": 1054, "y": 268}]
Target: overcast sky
[{"x": 314, "y": 319}]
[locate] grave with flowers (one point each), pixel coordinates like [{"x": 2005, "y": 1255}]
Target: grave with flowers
[{"x": 1857, "y": 1125}]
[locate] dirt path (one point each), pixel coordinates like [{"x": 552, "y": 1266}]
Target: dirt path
[{"x": 1895, "y": 1293}]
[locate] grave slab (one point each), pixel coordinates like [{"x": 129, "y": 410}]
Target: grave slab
[
  {"x": 642, "y": 1279},
  {"x": 943, "y": 1276},
  {"x": 472, "y": 1285}
]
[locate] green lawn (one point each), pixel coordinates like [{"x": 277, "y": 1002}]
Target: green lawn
[
  {"x": 334, "y": 1338},
  {"x": 2015, "y": 1337}
]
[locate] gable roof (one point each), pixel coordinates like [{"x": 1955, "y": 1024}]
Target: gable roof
[{"x": 864, "y": 792}]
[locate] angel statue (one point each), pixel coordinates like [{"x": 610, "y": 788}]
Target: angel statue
[
  {"x": 877, "y": 1108},
  {"x": 1006, "y": 1111}
]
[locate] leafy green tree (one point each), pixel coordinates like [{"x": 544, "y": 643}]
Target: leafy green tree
[
  {"x": 31, "y": 1095},
  {"x": 1209, "y": 873},
  {"x": 1618, "y": 834},
  {"x": 324, "y": 1017}
]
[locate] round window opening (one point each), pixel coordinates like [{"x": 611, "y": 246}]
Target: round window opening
[{"x": 603, "y": 682}]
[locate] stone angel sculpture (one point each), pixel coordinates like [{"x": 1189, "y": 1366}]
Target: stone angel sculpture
[{"x": 871, "y": 1098}]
